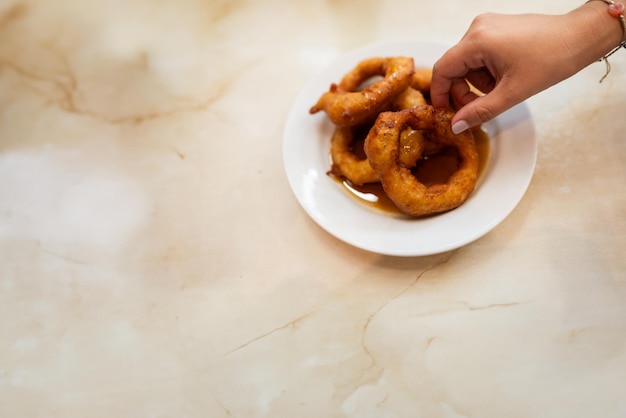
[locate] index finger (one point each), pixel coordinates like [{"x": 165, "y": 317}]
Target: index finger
[
  {"x": 449, "y": 67},
  {"x": 453, "y": 65}
]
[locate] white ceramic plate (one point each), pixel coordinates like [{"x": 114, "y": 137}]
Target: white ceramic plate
[{"x": 306, "y": 147}]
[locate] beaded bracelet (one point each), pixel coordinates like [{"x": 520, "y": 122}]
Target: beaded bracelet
[{"x": 616, "y": 9}]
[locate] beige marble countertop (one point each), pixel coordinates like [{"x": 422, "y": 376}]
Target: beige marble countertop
[{"x": 154, "y": 261}]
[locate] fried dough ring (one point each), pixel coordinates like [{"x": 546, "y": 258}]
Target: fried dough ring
[
  {"x": 403, "y": 188},
  {"x": 415, "y": 96},
  {"x": 409, "y": 98},
  {"x": 345, "y": 106},
  {"x": 346, "y": 164},
  {"x": 421, "y": 80}
]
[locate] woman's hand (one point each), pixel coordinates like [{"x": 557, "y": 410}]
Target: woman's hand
[{"x": 509, "y": 58}]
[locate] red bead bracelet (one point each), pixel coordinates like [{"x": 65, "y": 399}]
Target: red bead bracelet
[{"x": 616, "y": 9}]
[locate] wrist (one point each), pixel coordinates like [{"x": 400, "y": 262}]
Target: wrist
[
  {"x": 597, "y": 31},
  {"x": 615, "y": 9}
]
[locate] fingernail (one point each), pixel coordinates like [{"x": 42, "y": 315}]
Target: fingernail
[{"x": 459, "y": 127}]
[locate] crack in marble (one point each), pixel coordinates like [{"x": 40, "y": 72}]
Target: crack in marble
[
  {"x": 429, "y": 342},
  {"x": 491, "y": 306},
  {"x": 65, "y": 258},
  {"x": 146, "y": 117},
  {"x": 222, "y": 406},
  {"x": 382, "y": 401},
  {"x": 371, "y": 317},
  {"x": 179, "y": 153},
  {"x": 67, "y": 89},
  {"x": 290, "y": 324},
  {"x": 467, "y": 307}
]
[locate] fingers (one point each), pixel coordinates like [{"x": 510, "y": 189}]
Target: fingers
[
  {"x": 461, "y": 93},
  {"x": 482, "y": 109},
  {"x": 504, "y": 57},
  {"x": 455, "y": 67},
  {"x": 474, "y": 109},
  {"x": 456, "y": 79},
  {"x": 482, "y": 80},
  {"x": 447, "y": 69}
]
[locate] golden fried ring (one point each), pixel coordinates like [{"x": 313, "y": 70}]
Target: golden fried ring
[
  {"x": 421, "y": 80},
  {"x": 412, "y": 142},
  {"x": 402, "y": 187},
  {"x": 345, "y": 106},
  {"x": 346, "y": 164},
  {"x": 409, "y": 98}
]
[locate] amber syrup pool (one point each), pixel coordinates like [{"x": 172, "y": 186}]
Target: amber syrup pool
[{"x": 433, "y": 169}]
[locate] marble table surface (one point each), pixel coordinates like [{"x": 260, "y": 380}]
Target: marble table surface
[{"x": 154, "y": 261}]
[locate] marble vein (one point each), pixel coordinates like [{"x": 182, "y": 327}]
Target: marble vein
[
  {"x": 412, "y": 284},
  {"x": 66, "y": 88},
  {"x": 290, "y": 324},
  {"x": 65, "y": 258},
  {"x": 404, "y": 290},
  {"x": 465, "y": 306}
]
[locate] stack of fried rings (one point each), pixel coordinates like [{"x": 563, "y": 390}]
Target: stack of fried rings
[{"x": 402, "y": 128}]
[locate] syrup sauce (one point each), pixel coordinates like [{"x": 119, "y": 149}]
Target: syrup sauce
[{"x": 433, "y": 169}]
